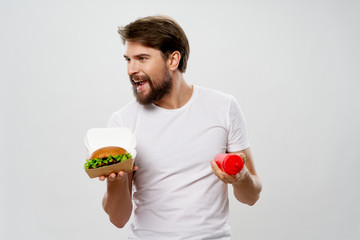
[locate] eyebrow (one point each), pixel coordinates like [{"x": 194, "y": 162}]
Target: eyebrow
[{"x": 139, "y": 55}]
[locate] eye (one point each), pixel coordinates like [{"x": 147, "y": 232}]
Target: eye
[
  {"x": 127, "y": 59},
  {"x": 142, "y": 58}
]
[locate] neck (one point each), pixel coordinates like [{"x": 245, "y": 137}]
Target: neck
[{"x": 180, "y": 94}]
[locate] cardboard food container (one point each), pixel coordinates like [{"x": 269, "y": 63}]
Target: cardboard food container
[{"x": 97, "y": 138}]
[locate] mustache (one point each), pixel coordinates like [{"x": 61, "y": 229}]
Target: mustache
[{"x": 139, "y": 77}]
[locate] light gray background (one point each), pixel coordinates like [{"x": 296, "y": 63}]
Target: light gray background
[{"x": 294, "y": 66}]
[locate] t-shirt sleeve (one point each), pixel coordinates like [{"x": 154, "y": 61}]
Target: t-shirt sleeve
[{"x": 237, "y": 132}]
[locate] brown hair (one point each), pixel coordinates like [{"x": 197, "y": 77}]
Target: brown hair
[{"x": 159, "y": 32}]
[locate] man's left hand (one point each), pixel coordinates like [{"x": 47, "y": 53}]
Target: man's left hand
[{"x": 230, "y": 179}]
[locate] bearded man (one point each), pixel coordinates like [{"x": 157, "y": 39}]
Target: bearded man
[{"x": 176, "y": 190}]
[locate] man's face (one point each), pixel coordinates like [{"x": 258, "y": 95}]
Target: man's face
[{"x": 149, "y": 75}]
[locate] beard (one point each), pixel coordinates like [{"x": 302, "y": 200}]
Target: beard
[{"x": 158, "y": 88}]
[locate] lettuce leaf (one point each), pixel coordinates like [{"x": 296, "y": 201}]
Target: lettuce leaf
[{"x": 102, "y": 162}]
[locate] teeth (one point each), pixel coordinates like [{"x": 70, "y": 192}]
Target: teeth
[{"x": 139, "y": 82}]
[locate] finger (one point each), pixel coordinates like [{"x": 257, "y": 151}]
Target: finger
[
  {"x": 231, "y": 179},
  {"x": 102, "y": 178},
  {"x": 112, "y": 177},
  {"x": 227, "y": 181},
  {"x": 218, "y": 172},
  {"x": 227, "y": 178},
  {"x": 120, "y": 174},
  {"x": 215, "y": 167},
  {"x": 224, "y": 177}
]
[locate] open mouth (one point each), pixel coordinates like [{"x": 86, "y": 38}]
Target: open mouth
[{"x": 139, "y": 83}]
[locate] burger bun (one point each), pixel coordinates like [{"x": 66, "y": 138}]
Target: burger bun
[{"x": 105, "y": 152}]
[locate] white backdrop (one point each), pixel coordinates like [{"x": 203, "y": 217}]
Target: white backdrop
[{"x": 294, "y": 66}]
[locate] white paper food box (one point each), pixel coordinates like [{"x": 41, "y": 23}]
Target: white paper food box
[{"x": 97, "y": 138}]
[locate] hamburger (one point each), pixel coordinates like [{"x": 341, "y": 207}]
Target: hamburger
[{"x": 107, "y": 160}]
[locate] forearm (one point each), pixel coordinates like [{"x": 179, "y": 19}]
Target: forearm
[
  {"x": 248, "y": 189},
  {"x": 117, "y": 202}
]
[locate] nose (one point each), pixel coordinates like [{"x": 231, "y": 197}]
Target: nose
[{"x": 132, "y": 68}]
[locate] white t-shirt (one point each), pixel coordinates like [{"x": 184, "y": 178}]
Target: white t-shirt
[{"x": 176, "y": 195}]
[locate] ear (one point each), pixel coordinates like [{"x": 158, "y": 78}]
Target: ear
[{"x": 174, "y": 60}]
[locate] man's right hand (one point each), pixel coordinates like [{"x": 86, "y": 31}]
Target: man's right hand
[{"x": 117, "y": 176}]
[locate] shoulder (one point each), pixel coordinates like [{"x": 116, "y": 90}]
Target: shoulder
[
  {"x": 128, "y": 108},
  {"x": 203, "y": 91},
  {"x": 124, "y": 114},
  {"x": 215, "y": 96}
]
